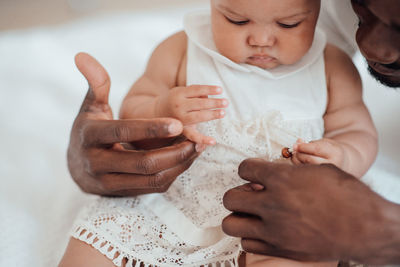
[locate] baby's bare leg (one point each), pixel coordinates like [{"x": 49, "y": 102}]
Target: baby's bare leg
[
  {"x": 79, "y": 253},
  {"x": 255, "y": 260}
]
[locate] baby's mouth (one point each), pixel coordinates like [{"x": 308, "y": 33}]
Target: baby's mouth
[{"x": 261, "y": 59}]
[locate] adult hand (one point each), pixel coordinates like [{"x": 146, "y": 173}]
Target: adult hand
[
  {"x": 311, "y": 213},
  {"x": 98, "y": 162}
]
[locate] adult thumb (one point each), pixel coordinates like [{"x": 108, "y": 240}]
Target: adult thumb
[{"x": 97, "y": 77}]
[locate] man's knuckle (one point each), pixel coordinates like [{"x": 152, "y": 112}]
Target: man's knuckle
[
  {"x": 121, "y": 133},
  {"x": 146, "y": 165},
  {"x": 157, "y": 182},
  {"x": 181, "y": 156}
]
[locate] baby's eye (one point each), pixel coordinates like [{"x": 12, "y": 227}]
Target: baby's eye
[
  {"x": 288, "y": 26},
  {"x": 236, "y": 22}
]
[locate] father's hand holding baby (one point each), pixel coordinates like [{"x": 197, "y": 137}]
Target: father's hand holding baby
[
  {"x": 191, "y": 105},
  {"x": 98, "y": 162},
  {"x": 308, "y": 212}
]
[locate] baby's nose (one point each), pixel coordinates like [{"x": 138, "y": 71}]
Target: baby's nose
[{"x": 261, "y": 37}]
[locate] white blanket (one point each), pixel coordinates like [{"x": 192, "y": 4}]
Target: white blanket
[{"x": 40, "y": 95}]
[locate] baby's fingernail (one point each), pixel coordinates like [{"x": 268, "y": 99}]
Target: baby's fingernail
[
  {"x": 211, "y": 142},
  {"x": 295, "y": 146},
  {"x": 257, "y": 187},
  {"x": 175, "y": 128},
  {"x": 224, "y": 102},
  {"x": 222, "y": 113},
  {"x": 218, "y": 89},
  {"x": 200, "y": 147}
]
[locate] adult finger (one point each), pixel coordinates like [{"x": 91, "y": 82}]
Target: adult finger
[
  {"x": 242, "y": 226},
  {"x": 145, "y": 162},
  {"x": 97, "y": 77},
  {"x": 262, "y": 172},
  {"x": 100, "y": 132},
  {"x": 244, "y": 201},
  {"x": 202, "y": 90},
  {"x": 124, "y": 184}
]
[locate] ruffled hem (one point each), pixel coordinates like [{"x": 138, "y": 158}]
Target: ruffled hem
[{"x": 118, "y": 256}]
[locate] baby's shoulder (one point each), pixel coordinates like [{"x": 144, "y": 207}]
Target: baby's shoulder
[
  {"x": 334, "y": 55},
  {"x": 176, "y": 42},
  {"x": 166, "y": 59},
  {"x": 339, "y": 67},
  {"x": 171, "y": 50}
]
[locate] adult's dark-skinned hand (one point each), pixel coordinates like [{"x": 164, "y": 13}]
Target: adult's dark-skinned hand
[
  {"x": 311, "y": 213},
  {"x": 98, "y": 162}
]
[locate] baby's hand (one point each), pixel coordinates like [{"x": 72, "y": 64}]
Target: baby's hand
[
  {"x": 317, "y": 152},
  {"x": 191, "y": 105}
]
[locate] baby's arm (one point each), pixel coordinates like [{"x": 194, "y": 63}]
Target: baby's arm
[
  {"x": 161, "y": 91},
  {"x": 350, "y": 139}
]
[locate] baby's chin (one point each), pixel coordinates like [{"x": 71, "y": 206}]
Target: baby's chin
[{"x": 264, "y": 64}]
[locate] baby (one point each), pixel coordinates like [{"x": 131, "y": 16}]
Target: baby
[{"x": 247, "y": 80}]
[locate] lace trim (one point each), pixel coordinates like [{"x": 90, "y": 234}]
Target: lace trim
[{"x": 118, "y": 256}]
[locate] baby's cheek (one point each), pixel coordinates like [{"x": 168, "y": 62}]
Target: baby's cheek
[{"x": 293, "y": 49}]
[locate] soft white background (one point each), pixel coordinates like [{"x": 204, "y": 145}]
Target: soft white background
[{"x": 40, "y": 95}]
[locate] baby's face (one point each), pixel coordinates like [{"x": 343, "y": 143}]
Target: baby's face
[{"x": 264, "y": 33}]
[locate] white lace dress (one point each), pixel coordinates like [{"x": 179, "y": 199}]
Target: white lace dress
[{"x": 268, "y": 111}]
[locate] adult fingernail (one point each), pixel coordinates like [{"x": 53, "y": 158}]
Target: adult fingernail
[
  {"x": 175, "y": 128},
  {"x": 257, "y": 187}
]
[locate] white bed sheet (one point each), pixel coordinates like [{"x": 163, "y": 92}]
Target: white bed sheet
[{"x": 40, "y": 94}]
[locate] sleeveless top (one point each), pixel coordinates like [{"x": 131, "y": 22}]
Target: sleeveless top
[{"x": 269, "y": 110}]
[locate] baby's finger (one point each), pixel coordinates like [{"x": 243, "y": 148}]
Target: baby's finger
[
  {"x": 310, "y": 159},
  {"x": 295, "y": 160},
  {"x": 196, "y": 104},
  {"x": 316, "y": 148},
  {"x": 202, "y": 116},
  {"x": 195, "y": 136},
  {"x": 202, "y": 90}
]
